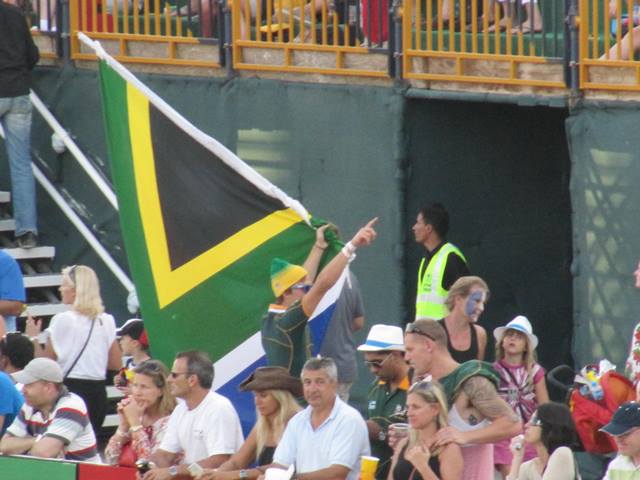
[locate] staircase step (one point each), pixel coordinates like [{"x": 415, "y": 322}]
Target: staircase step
[
  {"x": 5, "y": 197},
  {"x": 43, "y": 280},
  {"x": 8, "y": 225},
  {"x": 45, "y": 309},
  {"x": 31, "y": 253}
]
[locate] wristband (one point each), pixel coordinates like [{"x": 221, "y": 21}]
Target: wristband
[
  {"x": 136, "y": 428},
  {"x": 349, "y": 251}
]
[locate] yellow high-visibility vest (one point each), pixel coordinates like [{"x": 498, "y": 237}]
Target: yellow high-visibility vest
[{"x": 431, "y": 295}]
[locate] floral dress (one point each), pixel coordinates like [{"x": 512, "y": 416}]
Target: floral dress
[
  {"x": 143, "y": 445},
  {"x": 632, "y": 368}
]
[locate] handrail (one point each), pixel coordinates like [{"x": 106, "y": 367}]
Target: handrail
[
  {"x": 82, "y": 228},
  {"x": 73, "y": 217},
  {"x": 84, "y": 162}
]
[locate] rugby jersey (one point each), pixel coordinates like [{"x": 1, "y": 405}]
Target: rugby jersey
[{"x": 68, "y": 422}]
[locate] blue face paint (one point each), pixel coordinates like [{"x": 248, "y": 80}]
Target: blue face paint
[{"x": 472, "y": 301}]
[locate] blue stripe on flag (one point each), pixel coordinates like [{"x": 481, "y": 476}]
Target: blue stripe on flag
[{"x": 248, "y": 361}]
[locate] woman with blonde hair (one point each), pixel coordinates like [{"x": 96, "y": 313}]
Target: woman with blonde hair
[
  {"x": 275, "y": 393},
  {"x": 417, "y": 457},
  {"x": 82, "y": 340},
  {"x": 144, "y": 416}
]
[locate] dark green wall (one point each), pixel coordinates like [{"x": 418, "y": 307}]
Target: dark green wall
[{"x": 503, "y": 173}]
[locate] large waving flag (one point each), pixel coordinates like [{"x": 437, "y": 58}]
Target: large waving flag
[{"x": 200, "y": 228}]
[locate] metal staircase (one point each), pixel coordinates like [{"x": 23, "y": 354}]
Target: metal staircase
[{"x": 40, "y": 282}]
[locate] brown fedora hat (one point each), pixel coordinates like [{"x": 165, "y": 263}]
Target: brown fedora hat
[{"x": 272, "y": 378}]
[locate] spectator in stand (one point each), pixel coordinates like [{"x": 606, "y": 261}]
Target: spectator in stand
[
  {"x": 522, "y": 383},
  {"x": 624, "y": 427},
  {"x": 16, "y": 350},
  {"x": 144, "y": 416},
  {"x": 82, "y": 340},
  {"x": 12, "y": 295},
  {"x": 275, "y": 393},
  {"x": 326, "y": 439},
  {"x": 18, "y": 56},
  {"x": 632, "y": 369},
  {"x": 478, "y": 417},
  {"x": 466, "y": 340},
  {"x": 387, "y": 396},
  {"x": 552, "y": 432},
  {"x": 205, "y": 428},
  {"x": 134, "y": 343},
  {"x": 626, "y": 52},
  {"x": 10, "y": 397},
  {"x": 443, "y": 263},
  {"x": 418, "y": 456},
  {"x": 338, "y": 343},
  {"x": 53, "y": 422},
  {"x": 285, "y": 337}
]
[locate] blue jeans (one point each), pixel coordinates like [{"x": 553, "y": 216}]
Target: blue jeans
[{"x": 15, "y": 117}]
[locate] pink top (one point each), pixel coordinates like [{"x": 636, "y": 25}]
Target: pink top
[{"x": 144, "y": 444}]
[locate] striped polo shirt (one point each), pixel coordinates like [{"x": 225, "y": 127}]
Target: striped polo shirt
[{"x": 68, "y": 422}]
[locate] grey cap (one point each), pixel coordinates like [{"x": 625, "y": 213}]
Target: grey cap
[{"x": 39, "y": 369}]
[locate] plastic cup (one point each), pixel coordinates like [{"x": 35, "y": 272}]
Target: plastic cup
[
  {"x": 368, "y": 466},
  {"x": 399, "y": 430}
]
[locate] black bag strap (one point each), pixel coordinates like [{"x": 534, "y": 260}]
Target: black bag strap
[{"x": 86, "y": 342}]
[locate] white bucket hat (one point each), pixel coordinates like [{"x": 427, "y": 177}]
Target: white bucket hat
[
  {"x": 520, "y": 324},
  {"x": 382, "y": 338}
]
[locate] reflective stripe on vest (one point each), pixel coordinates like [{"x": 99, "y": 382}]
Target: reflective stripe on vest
[{"x": 431, "y": 295}]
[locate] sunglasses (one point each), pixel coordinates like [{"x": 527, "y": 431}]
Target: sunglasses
[
  {"x": 413, "y": 328},
  {"x": 376, "y": 363},
  {"x": 535, "y": 421},
  {"x": 302, "y": 286}
]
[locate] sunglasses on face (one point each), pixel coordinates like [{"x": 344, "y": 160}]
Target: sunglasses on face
[
  {"x": 413, "y": 328},
  {"x": 301, "y": 286},
  {"x": 377, "y": 363},
  {"x": 535, "y": 421}
]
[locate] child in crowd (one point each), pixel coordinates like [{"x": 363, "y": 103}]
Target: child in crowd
[
  {"x": 134, "y": 343},
  {"x": 522, "y": 383}
]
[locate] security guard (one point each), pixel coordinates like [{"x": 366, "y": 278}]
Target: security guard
[{"x": 442, "y": 264}]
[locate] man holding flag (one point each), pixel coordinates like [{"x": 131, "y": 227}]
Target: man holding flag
[{"x": 285, "y": 337}]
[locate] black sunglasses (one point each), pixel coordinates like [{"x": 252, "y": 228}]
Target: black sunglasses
[
  {"x": 413, "y": 328},
  {"x": 376, "y": 363}
]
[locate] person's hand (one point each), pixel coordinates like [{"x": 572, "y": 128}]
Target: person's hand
[
  {"x": 448, "y": 435},
  {"x": 320, "y": 240},
  {"x": 517, "y": 447},
  {"x": 33, "y": 327},
  {"x": 613, "y": 8},
  {"x": 366, "y": 235},
  {"x": 133, "y": 411},
  {"x": 418, "y": 455},
  {"x": 124, "y": 423},
  {"x": 157, "y": 474}
]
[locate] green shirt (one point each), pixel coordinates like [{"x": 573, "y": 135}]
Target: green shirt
[
  {"x": 385, "y": 407},
  {"x": 285, "y": 337},
  {"x": 473, "y": 368}
]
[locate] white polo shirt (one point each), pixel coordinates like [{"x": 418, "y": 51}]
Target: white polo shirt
[
  {"x": 212, "y": 428},
  {"x": 340, "y": 440}
]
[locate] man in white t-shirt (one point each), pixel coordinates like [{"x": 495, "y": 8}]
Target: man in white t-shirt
[
  {"x": 205, "y": 428},
  {"x": 53, "y": 422}
]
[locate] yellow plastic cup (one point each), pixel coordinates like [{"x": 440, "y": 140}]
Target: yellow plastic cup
[{"x": 368, "y": 466}]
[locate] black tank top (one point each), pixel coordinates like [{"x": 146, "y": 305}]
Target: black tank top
[
  {"x": 404, "y": 470},
  {"x": 466, "y": 355},
  {"x": 266, "y": 456}
]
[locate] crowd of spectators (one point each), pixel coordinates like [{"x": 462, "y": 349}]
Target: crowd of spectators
[{"x": 436, "y": 409}]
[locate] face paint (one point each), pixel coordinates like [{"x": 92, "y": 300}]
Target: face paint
[{"x": 472, "y": 301}]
